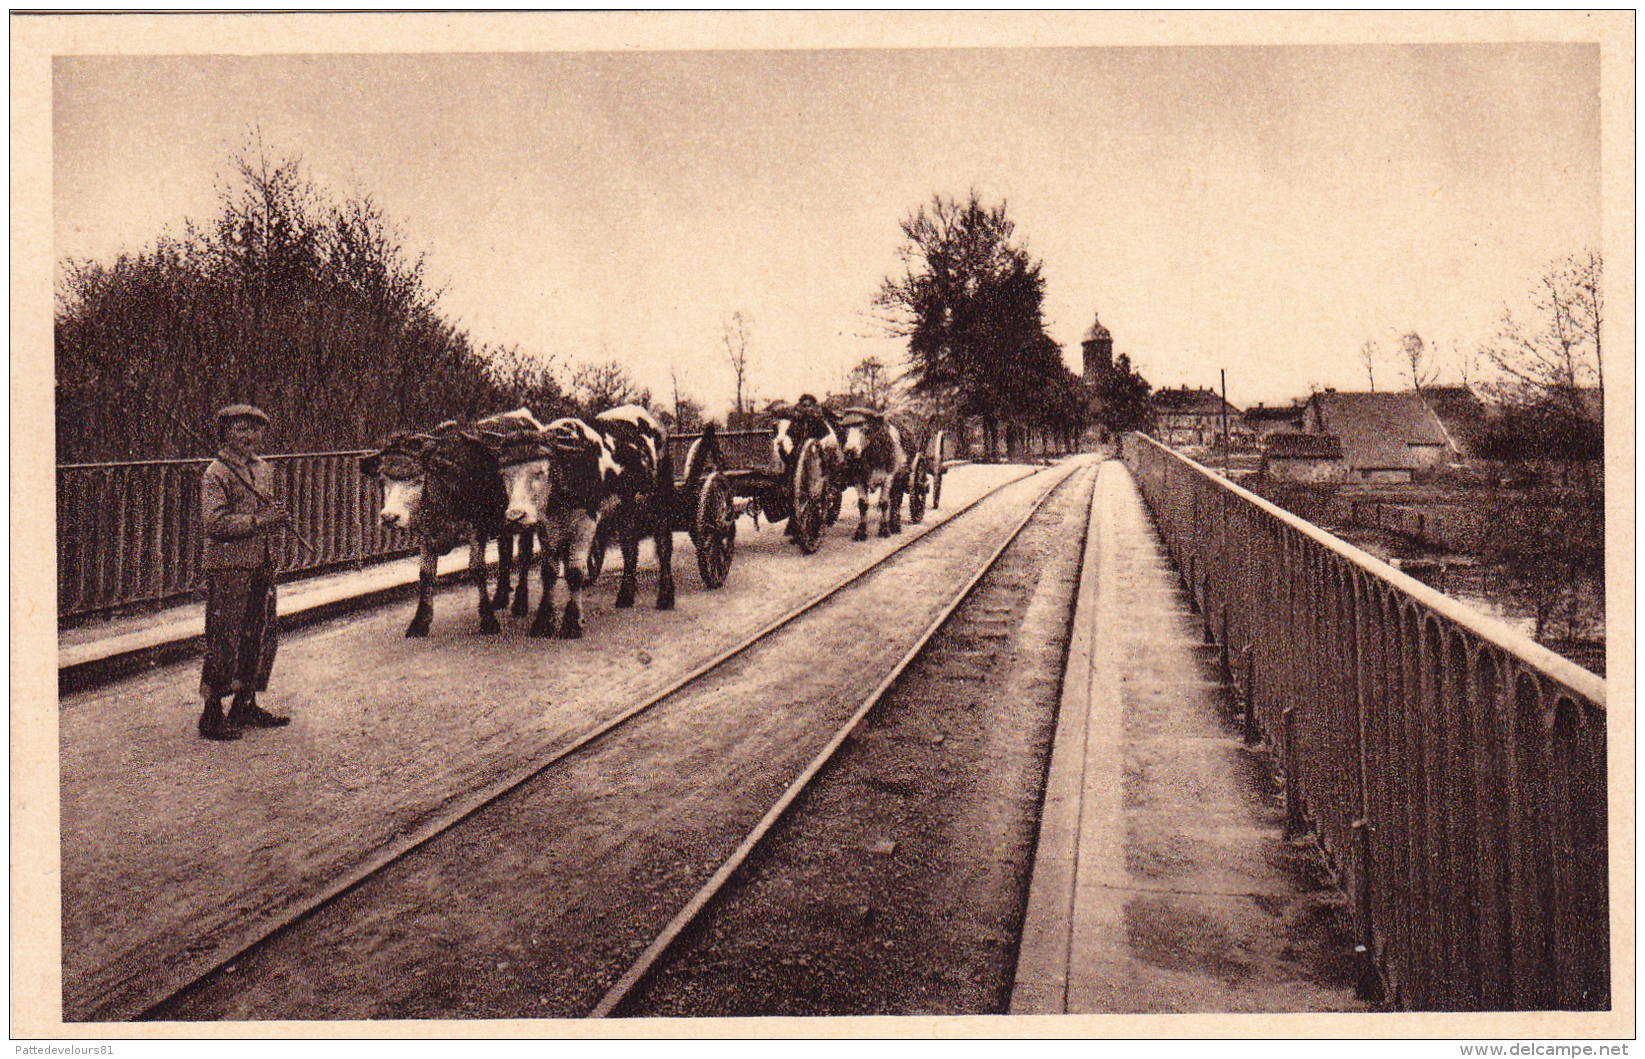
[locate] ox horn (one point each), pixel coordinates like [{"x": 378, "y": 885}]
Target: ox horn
[{"x": 566, "y": 438}]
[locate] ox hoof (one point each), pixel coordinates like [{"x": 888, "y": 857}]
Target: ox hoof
[
  {"x": 665, "y": 602},
  {"x": 885, "y": 531},
  {"x": 625, "y": 599},
  {"x": 861, "y": 534},
  {"x": 490, "y": 626},
  {"x": 521, "y": 605},
  {"x": 571, "y": 632},
  {"x": 416, "y": 632},
  {"x": 539, "y": 631}
]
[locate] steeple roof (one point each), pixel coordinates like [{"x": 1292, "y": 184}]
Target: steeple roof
[{"x": 1098, "y": 333}]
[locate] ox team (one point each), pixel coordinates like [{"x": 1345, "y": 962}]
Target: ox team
[
  {"x": 550, "y": 485},
  {"x": 509, "y": 478},
  {"x": 861, "y": 449}
]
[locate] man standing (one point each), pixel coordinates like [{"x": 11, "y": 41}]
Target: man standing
[{"x": 239, "y": 513}]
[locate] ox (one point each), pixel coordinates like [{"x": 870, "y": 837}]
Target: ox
[
  {"x": 444, "y": 487},
  {"x": 875, "y": 462},
  {"x": 791, "y": 429},
  {"x": 616, "y": 468}
]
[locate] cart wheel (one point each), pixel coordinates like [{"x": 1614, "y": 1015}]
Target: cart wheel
[
  {"x": 916, "y": 490},
  {"x": 809, "y": 497},
  {"x": 714, "y": 531},
  {"x": 936, "y": 470}
]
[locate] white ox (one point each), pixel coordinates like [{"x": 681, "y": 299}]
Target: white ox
[
  {"x": 616, "y": 467},
  {"x": 875, "y": 462}
]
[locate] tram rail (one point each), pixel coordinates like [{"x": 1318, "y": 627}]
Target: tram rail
[{"x": 165, "y": 999}]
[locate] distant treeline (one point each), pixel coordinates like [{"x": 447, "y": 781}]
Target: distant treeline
[{"x": 308, "y": 308}]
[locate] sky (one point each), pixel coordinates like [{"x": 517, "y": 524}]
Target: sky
[{"x": 1262, "y": 211}]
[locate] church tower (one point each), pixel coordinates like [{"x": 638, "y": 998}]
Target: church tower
[{"x": 1098, "y": 348}]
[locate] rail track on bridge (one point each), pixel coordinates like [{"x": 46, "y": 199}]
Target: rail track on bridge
[{"x": 577, "y": 872}]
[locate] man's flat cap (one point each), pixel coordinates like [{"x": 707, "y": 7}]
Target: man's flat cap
[{"x": 242, "y": 411}]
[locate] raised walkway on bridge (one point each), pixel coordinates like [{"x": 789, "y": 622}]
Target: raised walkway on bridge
[
  {"x": 97, "y": 652},
  {"x": 1163, "y": 882}
]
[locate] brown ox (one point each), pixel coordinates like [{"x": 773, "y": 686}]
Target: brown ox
[{"x": 444, "y": 487}]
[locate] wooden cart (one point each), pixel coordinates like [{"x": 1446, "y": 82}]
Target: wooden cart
[
  {"x": 721, "y": 475},
  {"x": 925, "y": 471}
]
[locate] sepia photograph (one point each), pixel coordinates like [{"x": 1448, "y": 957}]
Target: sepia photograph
[{"x": 833, "y": 524}]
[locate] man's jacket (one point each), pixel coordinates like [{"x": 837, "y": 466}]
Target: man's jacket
[{"x": 228, "y": 508}]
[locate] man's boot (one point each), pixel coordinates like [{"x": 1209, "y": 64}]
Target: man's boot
[
  {"x": 212, "y": 724},
  {"x": 245, "y": 713}
]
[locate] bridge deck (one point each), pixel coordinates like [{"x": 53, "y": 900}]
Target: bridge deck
[{"x": 1162, "y": 881}]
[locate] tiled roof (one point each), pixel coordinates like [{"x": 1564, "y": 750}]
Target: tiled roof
[
  {"x": 1279, "y": 413},
  {"x": 1462, "y": 413},
  {"x": 1191, "y": 402},
  {"x": 1378, "y": 429},
  {"x": 1289, "y": 446}
]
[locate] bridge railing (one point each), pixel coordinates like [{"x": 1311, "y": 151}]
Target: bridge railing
[
  {"x": 1453, "y": 770},
  {"x": 130, "y": 534}
]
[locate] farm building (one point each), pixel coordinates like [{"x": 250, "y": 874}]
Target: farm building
[
  {"x": 1385, "y": 437},
  {"x": 1312, "y": 458},
  {"x": 1264, "y": 420},
  {"x": 1464, "y": 417},
  {"x": 1197, "y": 417}
]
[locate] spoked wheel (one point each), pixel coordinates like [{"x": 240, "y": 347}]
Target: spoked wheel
[
  {"x": 936, "y": 470},
  {"x": 714, "y": 530},
  {"x": 916, "y": 490},
  {"x": 810, "y": 496}
]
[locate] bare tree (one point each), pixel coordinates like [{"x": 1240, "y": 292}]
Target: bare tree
[
  {"x": 530, "y": 381},
  {"x": 688, "y": 414},
  {"x": 1555, "y": 352},
  {"x": 867, "y": 381},
  {"x": 1418, "y": 363},
  {"x": 1467, "y": 364},
  {"x": 1367, "y": 356},
  {"x": 735, "y": 336},
  {"x": 1547, "y": 545},
  {"x": 597, "y": 387}
]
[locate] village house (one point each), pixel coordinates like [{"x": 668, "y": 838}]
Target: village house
[
  {"x": 1312, "y": 458},
  {"x": 1263, "y": 420},
  {"x": 1385, "y": 437},
  {"x": 1185, "y": 417}
]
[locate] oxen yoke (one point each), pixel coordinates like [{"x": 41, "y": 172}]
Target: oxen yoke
[
  {"x": 444, "y": 486},
  {"x": 567, "y": 477}
]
